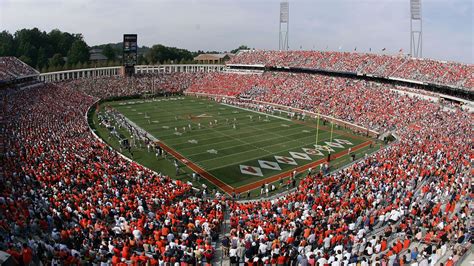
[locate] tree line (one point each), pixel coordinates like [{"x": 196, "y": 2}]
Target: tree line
[
  {"x": 43, "y": 51},
  {"x": 57, "y": 50}
]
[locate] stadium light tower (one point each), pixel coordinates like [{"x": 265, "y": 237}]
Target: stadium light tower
[
  {"x": 416, "y": 29},
  {"x": 284, "y": 26}
]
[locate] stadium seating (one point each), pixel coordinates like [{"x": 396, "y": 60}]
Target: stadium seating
[
  {"x": 73, "y": 200},
  {"x": 114, "y": 86},
  {"x": 77, "y": 201},
  {"x": 12, "y": 68},
  {"x": 362, "y": 212},
  {"x": 427, "y": 70}
]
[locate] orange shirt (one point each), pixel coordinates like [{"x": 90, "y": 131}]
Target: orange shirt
[
  {"x": 281, "y": 260},
  {"x": 115, "y": 260},
  {"x": 406, "y": 243},
  {"x": 27, "y": 255},
  {"x": 164, "y": 231},
  {"x": 126, "y": 252},
  {"x": 399, "y": 246}
]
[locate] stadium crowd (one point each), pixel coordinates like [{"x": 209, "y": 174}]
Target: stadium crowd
[
  {"x": 12, "y": 68},
  {"x": 68, "y": 199},
  {"x": 427, "y": 70},
  {"x": 415, "y": 192},
  {"x": 342, "y": 98},
  {"x": 106, "y": 87}
]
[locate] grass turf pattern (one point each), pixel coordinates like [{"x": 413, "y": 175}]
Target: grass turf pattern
[{"x": 221, "y": 149}]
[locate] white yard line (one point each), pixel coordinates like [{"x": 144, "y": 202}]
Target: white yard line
[
  {"x": 150, "y": 136},
  {"x": 239, "y": 140},
  {"x": 226, "y": 135},
  {"x": 292, "y": 131},
  {"x": 220, "y": 126},
  {"x": 248, "y": 159},
  {"x": 220, "y": 157},
  {"x": 273, "y": 133},
  {"x": 262, "y": 113},
  {"x": 217, "y": 143}
]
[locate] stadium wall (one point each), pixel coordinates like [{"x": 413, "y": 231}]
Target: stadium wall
[{"x": 116, "y": 71}]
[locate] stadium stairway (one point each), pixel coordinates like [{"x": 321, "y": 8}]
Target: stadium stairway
[{"x": 219, "y": 258}]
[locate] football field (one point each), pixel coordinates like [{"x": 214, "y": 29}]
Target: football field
[{"x": 235, "y": 148}]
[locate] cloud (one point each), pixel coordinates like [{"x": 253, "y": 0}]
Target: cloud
[{"x": 225, "y": 24}]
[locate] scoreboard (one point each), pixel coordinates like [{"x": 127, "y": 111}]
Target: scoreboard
[
  {"x": 130, "y": 49},
  {"x": 130, "y": 53}
]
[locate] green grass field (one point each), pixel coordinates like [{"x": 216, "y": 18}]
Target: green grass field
[{"x": 237, "y": 156}]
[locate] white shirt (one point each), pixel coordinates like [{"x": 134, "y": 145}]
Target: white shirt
[
  {"x": 351, "y": 226},
  {"x": 137, "y": 234},
  {"x": 378, "y": 247},
  {"x": 369, "y": 250},
  {"x": 423, "y": 262},
  {"x": 322, "y": 261},
  {"x": 394, "y": 215},
  {"x": 233, "y": 252},
  {"x": 262, "y": 248}
]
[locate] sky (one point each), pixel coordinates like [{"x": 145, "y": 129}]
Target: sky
[{"x": 223, "y": 25}]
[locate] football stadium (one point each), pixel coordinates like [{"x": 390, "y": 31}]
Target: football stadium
[{"x": 123, "y": 154}]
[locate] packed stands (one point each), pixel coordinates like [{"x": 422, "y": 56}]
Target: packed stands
[
  {"x": 413, "y": 194},
  {"x": 70, "y": 199},
  {"x": 225, "y": 84},
  {"x": 426, "y": 70},
  {"x": 114, "y": 86},
  {"x": 342, "y": 98},
  {"x": 12, "y": 68}
]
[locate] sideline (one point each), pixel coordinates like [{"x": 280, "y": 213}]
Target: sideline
[
  {"x": 91, "y": 130},
  {"x": 299, "y": 169}
]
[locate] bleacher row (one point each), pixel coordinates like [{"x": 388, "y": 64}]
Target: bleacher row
[
  {"x": 426, "y": 70},
  {"x": 12, "y": 68},
  {"x": 69, "y": 199},
  {"x": 116, "y": 86},
  {"x": 418, "y": 186}
]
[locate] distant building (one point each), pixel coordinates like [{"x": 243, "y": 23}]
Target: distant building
[
  {"x": 96, "y": 55},
  {"x": 212, "y": 58}
]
